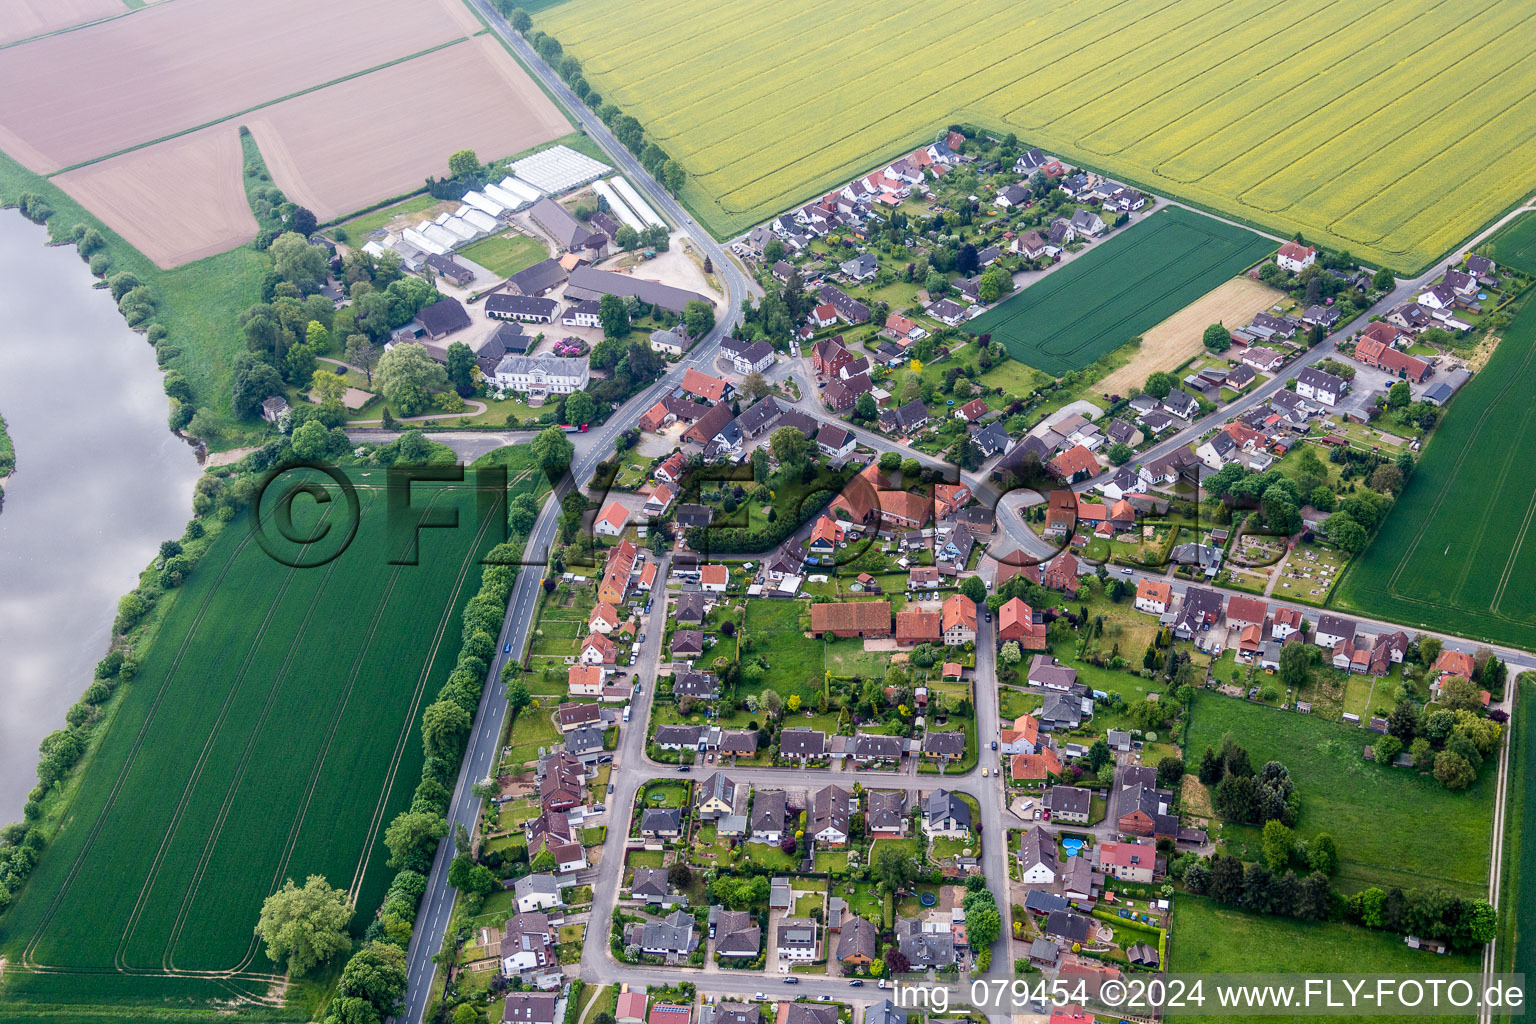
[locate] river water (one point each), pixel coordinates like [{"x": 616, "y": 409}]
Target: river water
[{"x": 100, "y": 481}]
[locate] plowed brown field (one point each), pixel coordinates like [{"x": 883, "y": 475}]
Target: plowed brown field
[
  {"x": 78, "y": 96},
  {"x": 175, "y": 201},
  {"x": 472, "y": 95}
]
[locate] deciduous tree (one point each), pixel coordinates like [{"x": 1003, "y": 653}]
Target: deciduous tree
[{"x": 305, "y": 927}]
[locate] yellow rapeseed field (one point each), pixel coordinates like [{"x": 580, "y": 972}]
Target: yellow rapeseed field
[{"x": 1391, "y": 128}]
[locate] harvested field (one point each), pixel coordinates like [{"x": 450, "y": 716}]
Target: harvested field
[
  {"x": 79, "y": 96},
  {"x": 1177, "y": 338},
  {"x": 175, "y": 201},
  {"x": 1391, "y": 128},
  {"x": 27, "y": 18},
  {"x": 472, "y": 95}
]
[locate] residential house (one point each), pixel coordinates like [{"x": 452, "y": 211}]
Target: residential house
[
  {"x": 926, "y": 944},
  {"x": 870, "y": 748},
  {"x": 1086, "y": 222},
  {"x": 828, "y": 816},
  {"x": 529, "y": 1008},
  {"x": 651, "y": 885},
  {"x": 571, "y": 716},
  {"x": 1199, "y": 612},
  {"x": 1153, "y": 596},
  {"x": 737, "y": 934},
  {"x": 1036, "y": 767},
  {"x": 673, "y": 936},
  {"x": 801, "y": 743},
  {"x": 716, "y": 797},
  {"x": 796, "y": 939},
  {"x": 1295, "y": 257},
  {"x": 1022, "y": 737},
  {"x": 857, "y": 942},
  {"x": 851, "y": 619},
  {"x": 661, "y": 823},
  {"x": 946, "y": 814},
  {"x": 611, "y": 521},
  {"x": 527, "y": 943},
  {"x": 1147, "y": 811},
  {"x": 885, "y": 813},
  {"x": 768, "y": 816},
  {"x": 1068, "y": 804},
  {"x": 1130, "y": 861},
  {"x": 1321, "y": 387},
  {"x": 944, "y": 746},
  {"x": 958, "y": 620},
  {"x": 1017, "y": 621},
  {"x": 1333, "y": 630},
  {"x": 536, "y": 892},
  {"x": 1038, "y": 862}
]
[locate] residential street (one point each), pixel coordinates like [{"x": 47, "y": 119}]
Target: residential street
[{"x": 631, "y": 767}]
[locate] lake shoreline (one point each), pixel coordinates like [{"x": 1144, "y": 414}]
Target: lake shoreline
[{"x": 106, "y": 482}]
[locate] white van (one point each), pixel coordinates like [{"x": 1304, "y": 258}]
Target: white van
[{"x": 626, "y": 711}]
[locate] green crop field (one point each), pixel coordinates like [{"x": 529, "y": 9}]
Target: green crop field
[
  {"x": 271, "y": 733},
  {"x": 1211, "y": 939},
  {"x": 1393, "y": 826},
  {"x": 1393, "y": 130},
  {"x": 1458, "y": 552},
  {"x": 1516, "y": 946},
  {"x": 1124, "y": 285},
  {"x": 1515, "y": 245}
]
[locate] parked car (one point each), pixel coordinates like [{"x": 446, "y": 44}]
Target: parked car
[
  {"x": 610, "y": 787},
  {"x": 856, "y": 983},
  {"x": 791, "y": 980},
  {"x": 689, "y": 768},
  {"x": 994, "y": 744}
]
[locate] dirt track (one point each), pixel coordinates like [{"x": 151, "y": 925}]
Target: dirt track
[
  {"x": 471, "y": 95},
  {"x": 1179, "y": 337},
  {"x": 175, "y": 201}
]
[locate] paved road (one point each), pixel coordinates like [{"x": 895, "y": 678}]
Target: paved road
[
  {"x": 437, "y": 904},
  {"x": 630, "y": 765}
]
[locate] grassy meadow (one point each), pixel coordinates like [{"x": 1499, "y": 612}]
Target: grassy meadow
[
  {"x": 1391, "y": 130},
  {"x": 1127, "y": 283},
  {"x": 271, "y": 733},
  {"x": 1211, "y": 939},
  {"x": 1457, "y": 552},
  {"x": 1393, "y": 826}
]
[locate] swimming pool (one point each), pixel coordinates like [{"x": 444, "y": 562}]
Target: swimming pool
[{"x": 1072, "y": 846}]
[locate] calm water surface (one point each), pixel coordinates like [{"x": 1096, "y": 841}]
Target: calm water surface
[{"x": 100, "y": 482}]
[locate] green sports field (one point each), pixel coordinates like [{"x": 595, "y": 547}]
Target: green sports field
[
  {"x": 1458, "y": 552},
  {"x": 1122, "y": 286},
  {"x": 1515, "y": 245},
  {"x": 271, "y": 733},
  {"x": 1378, "y": 816}
]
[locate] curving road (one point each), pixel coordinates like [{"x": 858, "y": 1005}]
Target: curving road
[{"x": 631, "y": 767}]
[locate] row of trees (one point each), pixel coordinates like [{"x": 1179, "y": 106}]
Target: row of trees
[{"x": 625, "y": 128}]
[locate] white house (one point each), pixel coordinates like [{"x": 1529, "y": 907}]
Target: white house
[
  {"x": 1321, "y": 387},
  {"x": 1153, "y": 596},
  {"x": 1333, "y": 628},
  {"x": 536, "y": 892},
  {"x": 1037, "y": 857},
  {"x": 542, "y": 374},
  {"x": 1295, "y": 257}
]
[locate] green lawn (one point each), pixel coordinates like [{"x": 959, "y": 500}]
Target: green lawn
[
  {"x": 1455, "y": 552},
  {"x": 1392, "y": 825},
  {"x": 1122, "y": 286},
  {"x": 1211, "y": 939},
  {"x": 199, "y": 303},
  {"x": 505, "y": 255},
  {"x": 532, "y": 729},
  {"x": 360, "y": 226},
  {"x": 271, "y": 732}
]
